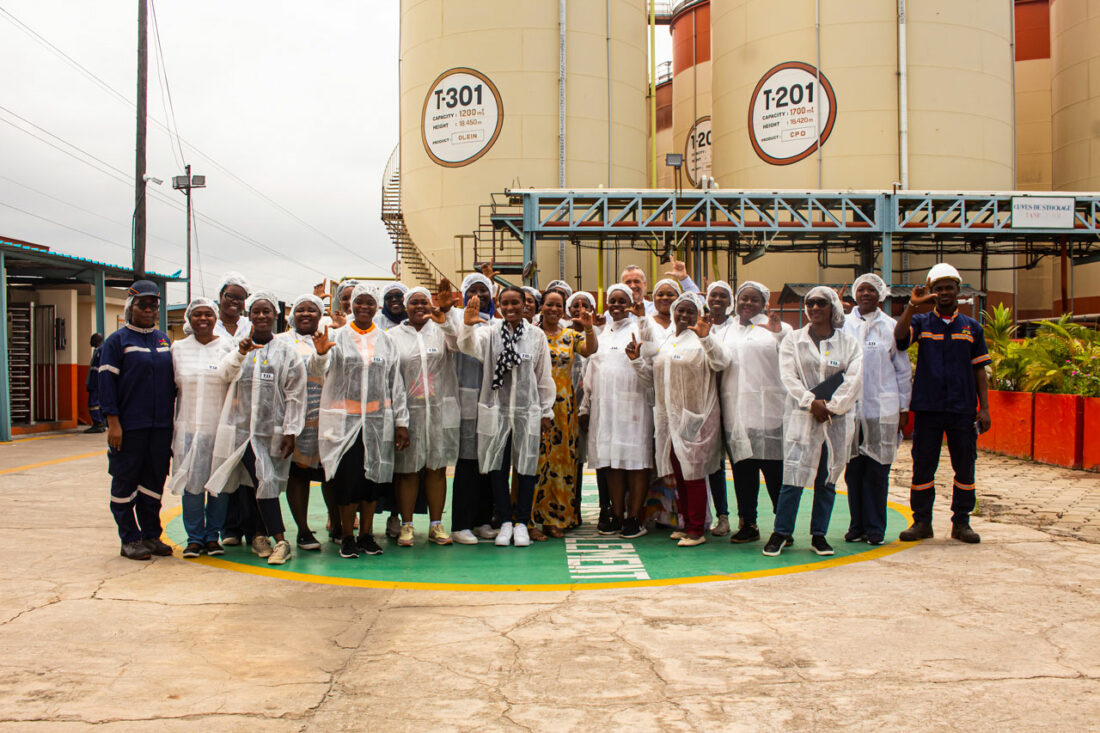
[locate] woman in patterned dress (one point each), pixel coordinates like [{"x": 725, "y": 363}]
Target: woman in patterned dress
[{"x": 554, "y": 504}]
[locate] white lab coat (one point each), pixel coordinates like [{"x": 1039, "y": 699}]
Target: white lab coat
[
  {"x": 753, "y": 397},
  {"x": 803, "y": 365},
  {"x": 266, "y": 401},
  {"x": 244, "y": 329},
  {"x": 427, "y": 369},
  {"x": 363, "y": 398},
  {"x": 887, "y": 385},
  {"x": 517, "y": 408},
  {"x": 686, "y": 412},
  {"x": 651, "y": 331},
  {"x": 468, "y": 372},
  {"x": 619, "y": 400},
  {"x": 306, "y": 453},
  {"x": 201, "y": 383}
]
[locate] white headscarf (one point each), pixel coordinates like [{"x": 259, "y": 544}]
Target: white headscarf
[
  {"x": 834, "y": 299},
  {"x": 416, "y": 290},
  {"x": 364, "y": 289},
  {"x": 668, "y": 281},
  {"x": 692, "y": 298},
  {"x": 764, "y": 292},
  {"x": 305, "y": 298},
  {"x": 344, "y": 285},
  {"x": 197, "y": 303},
  {"x": 389, "y": 287},
  {"x": 620, "y": 288},
  {"x": 580, "y": 294},
  {"x": 259, "y": 295},
  {"x": 723, "y": 285},
  {"x": 534, "y": 293},
  {"x": 476, "y": 277},
  {"x": 234, "y": 278},
  {"x": 874, "y": 281},
  {"x": 561, "y": 285}
]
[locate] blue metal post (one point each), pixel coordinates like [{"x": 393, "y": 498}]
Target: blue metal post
[
  {"x": 5, "y": 385},
  {"x": 163, "y": 284},
  {"x": 100, "y": 289},
  {"x": 530, "y": 220},
  {"x": 886, "y": 221}
]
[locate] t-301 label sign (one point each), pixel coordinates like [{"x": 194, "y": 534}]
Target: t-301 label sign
[{"x": 462, "y": 117}]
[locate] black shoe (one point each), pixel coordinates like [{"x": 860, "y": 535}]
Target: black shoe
[
  {"x": 820, "y": 546},
  {"x": 157, "y": 547},
  {"x": 631, "y": 529},
  {"x": 307, "y": 541},
  {"x": 789, "y": 541},
  {"x": 213, "y": 549},
  {"x": 367, "y": 545},
  {"x": 603, "y": 525},
  {"x": 135, "y": 551},
  {"x": 916, "y": 531},
  {"x": 96, "y": 429},
  {"x": 963, "y": 533},
  {"x": 614, "y": 525},
  {"x": 855, "y": 535},
  {"x": 876, "y": 541},
  {"x": 748, "y": 533},
  {"x": 193, "y": 549},
  {"x": 775, "y": 545},
  {"x": 348, "y": 548}
]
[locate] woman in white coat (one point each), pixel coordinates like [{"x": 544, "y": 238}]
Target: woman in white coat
[
  {"x": 686, "y": 414},
  {"x": 658, "y": 326},
  {"x": 881, "y": 411},
  {"x": 822, "y": 369},
  {"x": 201, "y": 384},
  {"x": 424, "y": 344},
  {"x": 264, "y": 412},
  {"x": 753, "y": 404},
  {"x": 719, "y": 304},
  {"x": 515, "y": 406}
]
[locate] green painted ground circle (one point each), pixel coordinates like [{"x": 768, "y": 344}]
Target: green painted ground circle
[{"x": 583, "y": 560}]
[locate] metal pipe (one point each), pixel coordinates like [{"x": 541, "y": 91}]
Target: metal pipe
[
  {"x": 817, "y": 132},
  {"x": 652, "y": 115},
  {"x": 903, "y": 99},
  {"x": 561, "y": 122},
  {"x": 5, "y": 383},
  {"x": 1015, "y": 183},
  {"x": 607, "y": 39}
]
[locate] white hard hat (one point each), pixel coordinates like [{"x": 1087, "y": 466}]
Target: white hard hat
[{"x": 941, "y": 271}]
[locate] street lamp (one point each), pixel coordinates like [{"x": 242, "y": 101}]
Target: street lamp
[
  {"x": 185, "y": 183},
  {"x": 675, "y": 160}
]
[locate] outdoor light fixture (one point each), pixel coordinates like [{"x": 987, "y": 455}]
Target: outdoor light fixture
[
  {"x": 755, "y": 253},
  {"x": 148, "y": 178},
  {"x": 674, "y": 160}
]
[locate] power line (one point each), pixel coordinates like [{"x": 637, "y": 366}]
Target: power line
[{"x": 162, "y": 72}]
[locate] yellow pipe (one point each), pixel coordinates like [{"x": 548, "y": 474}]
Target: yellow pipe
[
  {"x": 653, "y": 116},
  {"x": 599, "y": 278}
]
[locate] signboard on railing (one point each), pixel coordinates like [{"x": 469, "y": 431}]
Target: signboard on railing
[{"x": 1042, "y": 212}]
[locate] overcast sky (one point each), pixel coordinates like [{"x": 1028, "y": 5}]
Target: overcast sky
[{"x": 297, "y": 100}]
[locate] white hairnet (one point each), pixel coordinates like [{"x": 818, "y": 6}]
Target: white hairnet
[
  {"x": 422, "y": 291},
  {"x": 259, "y": 295},
  {"x": 197, "y": 303},
  {"x": 834, "y": 300},
  {"x": 941, "y": 271},
  {"x": 580, "y": 294},
  {"x": 692, "y": 298},
  {"x": 874, "y": 281},
  {"x": 364, "y": 289},
  {"x": 234, "y": 278},
  {"x": 534, "y": 293},
  {"x": 720, "y": 285},
  {"x": 476, "y": 277},
  {"x": 622, "y": 289},
  {"x": 764, "y": 292},
  {"x": 561, "y": 285},
  {"x": 344, "y": 285},
  {"x": 668, "y": 281},
  {"x": 390, "y": 287},
  {"x": 305, "y": 298}
]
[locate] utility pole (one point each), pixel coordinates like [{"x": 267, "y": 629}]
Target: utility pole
[
  {"x": 185, "y": 183},
  {"x": 139, "y": 155}
]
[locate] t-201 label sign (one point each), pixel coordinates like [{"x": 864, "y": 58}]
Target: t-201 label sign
[
  {"x": 791, "y": 113},
  {"x": 462, "y": 117},
  {"x": 697, "y": 155}
]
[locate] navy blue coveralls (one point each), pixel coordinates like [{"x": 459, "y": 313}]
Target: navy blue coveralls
[
  {"x": 945, "y": 402},
  {"x": 137, "y": 383},
  {"x": 92, "y": 385}
]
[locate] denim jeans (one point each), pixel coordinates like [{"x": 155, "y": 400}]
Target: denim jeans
[
  {"x": 203, "y": 516},
  {"x": 824, "y": 494}
]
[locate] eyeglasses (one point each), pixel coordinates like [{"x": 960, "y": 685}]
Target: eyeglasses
[
  {"x": 233, "y": 298},
  {"x": 817, "y": 302}
]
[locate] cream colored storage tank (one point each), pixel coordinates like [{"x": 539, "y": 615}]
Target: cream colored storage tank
[
  {"x": 665, "y": 144},
  {"x": 767, "y": 58},
  {"x": 480, "y": 109},
  {"x": 691, "y": 88},
  {"x": 1075, "y": 102}
]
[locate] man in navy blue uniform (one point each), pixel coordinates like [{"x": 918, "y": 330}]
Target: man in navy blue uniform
[
  {"x": 137, "y": 390},
  {"x": 92, "y": 385},
  {"x": 950, "y": 397}
]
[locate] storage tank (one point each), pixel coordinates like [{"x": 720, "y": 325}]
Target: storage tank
[
  {"x": 691, "y": 88},
  {"x": 665, "y": 143},
  {"x": 788, "y": 69},
  {"x": 479, "y": 85},
  {"x": 1075, "y": 103}
]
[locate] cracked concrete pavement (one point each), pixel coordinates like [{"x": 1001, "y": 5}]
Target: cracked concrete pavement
[{"x": 942, "y": 636}]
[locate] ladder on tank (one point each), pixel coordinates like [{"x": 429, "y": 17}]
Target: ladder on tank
[{"x": 419, "y": 266}]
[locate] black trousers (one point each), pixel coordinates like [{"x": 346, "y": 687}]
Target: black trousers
[
  {"x": 502, "y": 490},
  {"x": 929, "y": 429},
  {"x": 258, "y": 516},
  {"x": 746, "y": 485},
  {"x": 471, "y": 496},
  {"x": 138, "y": 472},
  {"x": 868, "y": 484}
]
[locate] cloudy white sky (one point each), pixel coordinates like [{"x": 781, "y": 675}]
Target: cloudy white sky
[{"x": 286, "y": 102}]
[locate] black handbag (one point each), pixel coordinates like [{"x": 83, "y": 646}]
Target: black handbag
[{"x": 826, "y": 389}]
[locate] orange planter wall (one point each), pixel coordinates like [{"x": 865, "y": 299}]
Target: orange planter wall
[
  {"x": 1058, "y": 429},
  {"x": 1090, "y": 433},
  {"x": 1013, "y": 416}
]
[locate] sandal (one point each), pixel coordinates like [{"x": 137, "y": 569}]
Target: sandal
[
  {"x": 555, "y": 532},
  {"x": 536, "y": 534}
]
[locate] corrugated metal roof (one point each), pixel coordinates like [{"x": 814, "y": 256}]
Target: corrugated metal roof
[{"x": 83, "y": 261}]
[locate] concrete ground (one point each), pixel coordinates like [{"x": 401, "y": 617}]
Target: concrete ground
[{"x": 999, "y": 636}]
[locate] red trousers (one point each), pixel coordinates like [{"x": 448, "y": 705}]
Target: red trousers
[{"x": 691, "y": 499}]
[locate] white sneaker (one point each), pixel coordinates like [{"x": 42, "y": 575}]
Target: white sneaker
[
  {"x": 722, "y": 528},
  {"x": 393, "y": 526},
  {"x": 464, "y": 537},
  {"x": 520, "y": 537},
  {"x": 486, "y": 532},
  {"x": 504, "y": 537},
  {"x": 261, "y": 546},
  {"x": 280, "y": 554}
]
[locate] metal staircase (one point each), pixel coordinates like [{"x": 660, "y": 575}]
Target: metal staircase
[{"x": 416, "y": 265}]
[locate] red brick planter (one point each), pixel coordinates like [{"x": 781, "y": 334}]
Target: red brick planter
[
  {"x": 1090, "y": 433},
  {"x": 1013, "y": 416},
  {"x": 1058, "y": 429}
]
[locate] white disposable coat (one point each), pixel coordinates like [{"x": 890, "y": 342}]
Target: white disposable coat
[
  {"x": 306, "y": 453},
  {"x": 887, "y": 385},
  {"x": 468, "y": 373},
  {"x": 431, "y": 387},
  {"x": 363, "y": 398},
  {"x": 526, "y": 396},
  {"x": 202, "y": 380},
  {"x": 653, "y": 332},
  {"x": 753, "y": 397},
  {"x": 802, "y": 366},
  {"x": 619, "y": 401},
  {"x": 686, "y": 412},
  {"x": 266, "y": 401}
]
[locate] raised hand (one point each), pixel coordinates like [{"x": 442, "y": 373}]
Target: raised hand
[
  {"x": 920, "y": 295},
  {"x": 339, "y": 320},
  {"x": 678, "y": 271},
  {"x": 319, "y": 289},
  {"x": 585, "y": 319},
  {"x": 321, "y": 342},
  {"x": 246, "y": 345},
  {"x": 471, "y": 316},
  {"x": 638, "y": 308},
  {"x": 488, "y": 271},
  {"x": 634, "y": 348},
  {"x": 701, "y": 327},
  {"x": 445, "y": 297},
  {"x": 599, "y": 320},
  {"x": 775, "y": 323}
]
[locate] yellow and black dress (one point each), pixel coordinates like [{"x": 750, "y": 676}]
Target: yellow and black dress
[{"x": 555, "y": 492}]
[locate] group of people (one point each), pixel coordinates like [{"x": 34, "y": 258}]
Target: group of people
[{"x": 377, "y": 394}]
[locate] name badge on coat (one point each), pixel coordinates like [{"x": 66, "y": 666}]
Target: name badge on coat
[{"x": 832, "y": 363}]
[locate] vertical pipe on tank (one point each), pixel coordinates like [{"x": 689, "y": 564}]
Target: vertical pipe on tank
[
  {"x": 652, "y": 116},
  {"x": 817, "y": 32},
  {"x": 1012, "y": 62},
  {"x": 599, "y": 251},
  {"x": 561, "y": 122},
  {"x": 903, "y": 99}
]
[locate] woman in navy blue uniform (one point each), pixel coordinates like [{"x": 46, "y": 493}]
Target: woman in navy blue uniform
[{"x": 137, "y": 390}]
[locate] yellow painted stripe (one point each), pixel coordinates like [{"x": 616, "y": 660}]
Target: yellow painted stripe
[
  {"x": 52, "y": 462},
  {"x": 885, "y": 550},
  {"x": 43, "y": 437}
]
